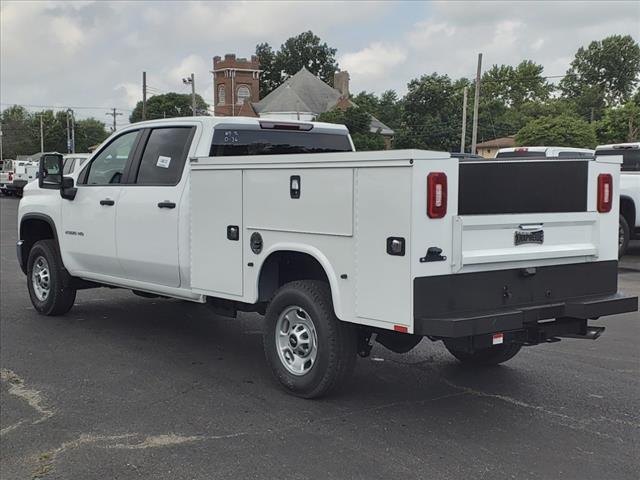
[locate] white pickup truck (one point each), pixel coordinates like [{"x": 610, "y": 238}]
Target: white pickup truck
[
  {"x": 337, "y": 248},
  {"x": 16, "y": 175},
  {"x": 629, "y": 190}
]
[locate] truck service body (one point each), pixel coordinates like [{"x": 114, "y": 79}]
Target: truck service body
[{"x": 339, "y": 248}]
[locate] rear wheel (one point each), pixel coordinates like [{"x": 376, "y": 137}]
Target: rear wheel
[
  {"x": 48, "y": 282},
  {"x": 487, "y": 356},
  {"x": 309, "y": 350},
  {"x": 624, "y": 233}
]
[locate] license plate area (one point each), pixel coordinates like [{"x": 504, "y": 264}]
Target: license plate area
[{"x": 524, "y": 237}]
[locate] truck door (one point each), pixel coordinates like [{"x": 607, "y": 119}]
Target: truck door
[
  {"x": 88, "y": 221},
  {"x": 149, "y": 208}
]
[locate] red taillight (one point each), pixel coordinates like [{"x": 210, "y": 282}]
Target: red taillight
[
  {"x": 437, "y": 195},
  {"x": 10, "y": 177},
  {"x": 605, "y": 192}
]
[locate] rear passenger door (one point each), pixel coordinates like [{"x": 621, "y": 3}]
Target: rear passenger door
[{"x": 150, "y": 207}]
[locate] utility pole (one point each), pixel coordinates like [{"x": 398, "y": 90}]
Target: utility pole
[
  {"x": 41, "y": 134},
  {"x": 476, "y": 101},
  {"x": 1, "y": 157},
  {"x": 114, "y": 114},
  {"x": 464, "y": 119},
  {"x": 71, "y": 131},
  {"x": 192, "y": 81},
  {"x": 144, "y": 95}
]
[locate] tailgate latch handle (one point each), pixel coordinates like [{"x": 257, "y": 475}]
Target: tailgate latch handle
[{"x": 434, "y": 254}]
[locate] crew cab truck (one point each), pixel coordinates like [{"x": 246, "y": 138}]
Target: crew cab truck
[
  {"x": 629, "y": 224},
  {"x": 338, "y": 249}
]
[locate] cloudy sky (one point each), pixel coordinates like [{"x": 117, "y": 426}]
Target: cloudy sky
[{"x": 90, "y": 54}]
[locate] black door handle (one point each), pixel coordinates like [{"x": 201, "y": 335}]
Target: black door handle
[
  {"x": 107, "y": 201},
  {"x": 166, "y": 204}
]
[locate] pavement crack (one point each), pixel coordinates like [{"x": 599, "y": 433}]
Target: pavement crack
[{"x": 33, "y": 397}]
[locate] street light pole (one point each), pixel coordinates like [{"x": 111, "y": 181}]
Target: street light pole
[{"x": 191, "y": 80}]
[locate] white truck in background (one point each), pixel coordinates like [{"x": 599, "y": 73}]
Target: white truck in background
[
  {"x": 544, "y": 152},
  {"x": 15, "y": 176},
  {"x": 339, "y": 249},
  {"x": 629, "y": 226}
]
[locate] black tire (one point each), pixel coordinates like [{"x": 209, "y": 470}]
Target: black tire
[
  {"x": 624, "y": 234},
  {"x": 336, "y": 340},
  {"x": 60, "y": 293},
  {"x": 487, "y": 356}
]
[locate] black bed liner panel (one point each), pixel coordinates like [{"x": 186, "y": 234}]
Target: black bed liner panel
[
  {"x": 493, "y": 301},
  {"x": 498, "y": 187}
]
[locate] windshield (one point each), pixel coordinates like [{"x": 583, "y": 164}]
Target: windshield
[
  {"x": 630, "y": 158},
  {"x": 231, "y": 142}
]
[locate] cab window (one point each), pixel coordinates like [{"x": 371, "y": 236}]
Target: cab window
[
  {"x": 164, "y": 156},
  {"x": 108, "y": 167}
]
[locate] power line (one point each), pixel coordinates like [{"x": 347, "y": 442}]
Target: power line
[{"x": 60, "y": 107}]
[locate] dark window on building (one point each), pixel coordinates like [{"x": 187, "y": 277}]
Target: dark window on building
[
  {"x": 230, "y": 142},
  {"x": 630, "y": 158},
  {"x": 164, "y": 156}
]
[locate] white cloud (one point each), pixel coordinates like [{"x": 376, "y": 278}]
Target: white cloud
[{"x": 367, "y": 66}]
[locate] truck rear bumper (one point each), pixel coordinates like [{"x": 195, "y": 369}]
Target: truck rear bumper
[
  {"x": 471, "y": 304},
  {"x": 462, "y": 325}
]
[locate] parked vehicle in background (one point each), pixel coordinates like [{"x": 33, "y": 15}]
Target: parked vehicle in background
[
  {"x": 16, "y": 175},
  {"x": 73, "y": 162},
  {"x": 339, "y": 249},
  {"x": 544, "y": 152},
  {"x": 629, "y": 190}
]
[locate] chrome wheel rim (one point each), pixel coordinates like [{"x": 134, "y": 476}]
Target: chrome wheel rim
[
  {"x": 296, "y": 340},
  {"x": 620, "y": 235},
  {"x": 41, "y": 278}
]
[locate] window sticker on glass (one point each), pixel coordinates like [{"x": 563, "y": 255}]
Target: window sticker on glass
[{"x": 163, "y": 162}]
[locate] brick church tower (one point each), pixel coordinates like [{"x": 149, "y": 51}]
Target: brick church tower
[{"x": 236, "y": 84}]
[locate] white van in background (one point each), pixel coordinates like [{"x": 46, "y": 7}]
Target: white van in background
[
  {"x": 73, "y": 162},
  {"x": 544, "y": 152}
]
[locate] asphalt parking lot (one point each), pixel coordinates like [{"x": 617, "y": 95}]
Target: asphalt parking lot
[{"x": 125, "y": 387}]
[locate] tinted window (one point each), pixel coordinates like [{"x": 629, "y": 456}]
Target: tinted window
[
  {"x": 575, "y": 154},
  {"x": 108, "y": 167},
  {"x": 519, "y": 154},
  {"x": 164, "y": 156},
  {"x": 630, "y": 158},
  {"x": 230, "y": 142},
  {"x": 68, "y": 166}
]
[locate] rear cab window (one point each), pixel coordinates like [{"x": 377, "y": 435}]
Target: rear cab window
[
  {"x": 164, "y": 156},
  {"x": 231, "y": 140},
  {"x": 630, "y": 158}
]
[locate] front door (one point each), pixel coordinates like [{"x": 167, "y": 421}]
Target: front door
[
  {"x": 150, "y": 208},
  {"x": 88, "y": 221}
]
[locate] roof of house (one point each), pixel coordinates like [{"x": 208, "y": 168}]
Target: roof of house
[
  {"x": 498, "y": 143},
  {"x": 306, "y": 93}
]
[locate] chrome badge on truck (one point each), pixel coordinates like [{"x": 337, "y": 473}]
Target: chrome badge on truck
[{"x": 532, "y": 236}]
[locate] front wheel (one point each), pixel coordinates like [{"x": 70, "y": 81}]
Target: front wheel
[
  {"x": 487, "y": 356},
  {"x": 49, "y": 284},
  {"x": 309, "y": 350}
]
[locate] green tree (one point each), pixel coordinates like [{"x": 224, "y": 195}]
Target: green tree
[
  {"x": 18, "y": 134},
  {"x": 387, "y": 107},
  {"x": 169, "y": 105},
  {"x": 270, "y": 77},
  {"x": 89, "y": 132},
  {"x": 304, "y": 50},
  {"x": 562, "y": 130},
  {"x": 620, "y": 124},
  {"x": 431, "y": 114},
  {"x": 358, "y": 122},
  {"x": 602, "y": 75}
]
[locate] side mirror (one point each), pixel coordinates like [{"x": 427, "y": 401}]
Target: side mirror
[
  {"x": 50, "y": 171},
  {"x": 68, "y": 190}
]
